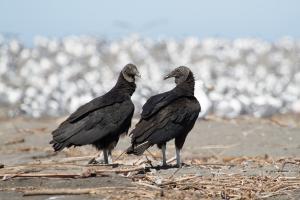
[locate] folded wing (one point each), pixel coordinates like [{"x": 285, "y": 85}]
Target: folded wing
[
  {"x": 91, "y": 122},
  {"x": 168, "y": 121}
]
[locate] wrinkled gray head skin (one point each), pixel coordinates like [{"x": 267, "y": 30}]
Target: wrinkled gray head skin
[
  {"x": 129, "y": 72},
  {"x": 180, "y": 74}
]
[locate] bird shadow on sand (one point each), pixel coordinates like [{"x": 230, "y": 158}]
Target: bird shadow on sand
[
  {"x": 148, "y": 168},
  {"x": 165, "y": 167}
]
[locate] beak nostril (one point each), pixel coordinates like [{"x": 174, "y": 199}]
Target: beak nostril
[
  {"x": 169, "y": 76},
  {"x": 166, "y": 77}
]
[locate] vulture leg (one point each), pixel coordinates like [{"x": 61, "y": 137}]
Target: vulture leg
[
  {"x": 105, "y": 154},
  {"x": 110, "y": 157},
  {"x": 163, "y": 149},
  {"x": 178, "y": 159}
]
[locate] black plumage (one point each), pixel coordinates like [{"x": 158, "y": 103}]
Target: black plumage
[
  {"x": 101, "y": 121},
  {"x": 167, "y": 116}
]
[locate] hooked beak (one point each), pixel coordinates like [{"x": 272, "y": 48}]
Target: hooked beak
[{"x": 169, "y": 76}]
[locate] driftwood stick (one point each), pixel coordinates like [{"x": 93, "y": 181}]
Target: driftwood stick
[
  {"x": 120, "y": 170},
  {"x": 119, "y": 156},
  {"x": 67, "y": 191},
  {"x": 148, "y": 185},
  {"x": 171, "y": 160},
  {"x": 57, "y": 165},
  {"x": 177, "y": 170},
  {"x": 178, "y": 180},
  {"x": 59, "y": 192},
  {"x": 30, "y": 175},
  {"x": 82, "y": 175}
]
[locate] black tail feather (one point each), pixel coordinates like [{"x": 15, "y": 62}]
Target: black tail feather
[
  {"x": 138, "y": 149},
  {"x": 58, "y": 146}
]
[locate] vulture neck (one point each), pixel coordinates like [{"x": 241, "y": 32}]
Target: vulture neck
[
  {"x": 187, "y": 87},
  {"x": 124, "y": 86}
]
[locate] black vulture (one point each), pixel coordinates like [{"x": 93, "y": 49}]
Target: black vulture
[
  {"x": 101, "y": 121},
  {"x": 167, "y": 116}
]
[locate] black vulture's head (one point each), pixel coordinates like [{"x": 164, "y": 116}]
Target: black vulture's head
[
  {"x": 180, "y": 74},
  {"x": 129, "y": 72}
]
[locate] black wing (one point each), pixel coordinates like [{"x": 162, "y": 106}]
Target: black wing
[
  {"x": 168, "y": 123},
  {"x": 95, "y": 104},
  {"x": 94, "y": 125},
  {"x": 157, "y": 102}
]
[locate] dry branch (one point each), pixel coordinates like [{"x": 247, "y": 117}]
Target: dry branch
[
  {"x": 67, "y": 191},
  {"x": 138, "y": 168},
  {"x": 148, "y": 185},
  {"x": 30, "y": 175},
  {"x": 85, "y": 174}
]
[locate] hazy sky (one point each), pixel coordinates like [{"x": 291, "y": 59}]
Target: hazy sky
[{"x": 268, "y": 19}]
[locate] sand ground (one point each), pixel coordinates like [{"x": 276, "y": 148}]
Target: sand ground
[{"x": 245, "y": 148}]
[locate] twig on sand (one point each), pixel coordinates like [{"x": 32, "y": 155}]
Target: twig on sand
[
  {"x": 148, "y": 185},
  {"x": 85, "y": 174},
  {"x": 120, "y": 155},
  {"x": 30, "y": 175},
  {"x": 66, "y": 191},
  {"x": 171, "y": 160},
  {"x": 178, "y": 180},
  {"x": 177, "y": 170},
  {"x": 138, "y": 168},
  {"x": 139, "y": 161},
  {"x": 217, "y": 164},
  {"x": 288, "y": 162}
]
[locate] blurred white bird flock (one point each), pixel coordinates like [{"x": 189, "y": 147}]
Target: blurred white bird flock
[{"x": 234, "y": 77}]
